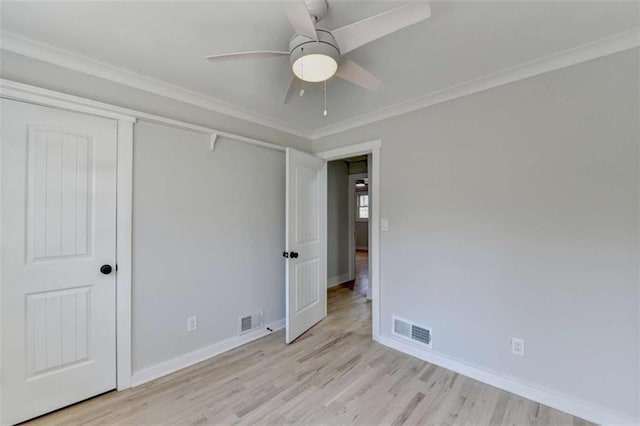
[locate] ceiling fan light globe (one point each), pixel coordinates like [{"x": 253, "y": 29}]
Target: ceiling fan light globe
[
  {"x": 315, "y": 67},
  {"x": 314, "y": 61}
]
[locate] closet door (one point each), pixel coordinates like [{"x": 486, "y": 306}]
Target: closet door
[{"x": 58, "y": 231}]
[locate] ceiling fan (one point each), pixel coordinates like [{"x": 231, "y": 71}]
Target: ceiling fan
[{"x": 316, "y": 54}]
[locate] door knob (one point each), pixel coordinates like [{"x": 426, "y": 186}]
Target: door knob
[
  {"x": 293, "y": 255},
  {"x": 106, "y": 269}
]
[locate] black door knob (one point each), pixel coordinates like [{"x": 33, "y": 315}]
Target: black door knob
[
  {"x": 293, "y": 255},
  {"x": 106, "y": 269}
]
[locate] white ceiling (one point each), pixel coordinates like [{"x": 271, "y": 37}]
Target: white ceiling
[{"x": 462, "y": 41}]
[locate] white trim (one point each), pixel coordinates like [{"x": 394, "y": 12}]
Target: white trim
[
  {"x": 607, "y": 46},
  {"x": 638, "y": 294},
  {"x": 36, "y": 95},
  {"x": 152, "y": 118},
  {"x": 124, "y": 218},
  {"x": 374, "y": 225},
  {"x": 373, "y": 148},
  {"x": 586, "y": 52},
  {"x": 1, "y": 324},
  {"x": 351, "y": 228},
  {"x": 33, "y": 49},
  {"x": 199, "y": 355},
  {"x": 583, "y": 409},
  {"x": 369, "y": 272},
  {"x": 337, "y": 280},
  {"x": 23, "y": 92},
  {"x": 350, "y": 150}
]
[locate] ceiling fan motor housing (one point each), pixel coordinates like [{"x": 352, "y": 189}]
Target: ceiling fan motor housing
[{"x": 300, "y": 46}]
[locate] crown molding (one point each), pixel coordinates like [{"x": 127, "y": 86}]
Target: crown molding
[
  {"x": 30, "y": 48},
  {"x": 23, "y": 92},
  {"x": 604, "y": 47}
]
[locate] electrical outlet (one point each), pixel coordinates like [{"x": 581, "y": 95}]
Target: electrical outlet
[
  {"x": 517, "y": 346},
  {"x": 384, "y": 224},
  {"x": 192, "y": 324}
]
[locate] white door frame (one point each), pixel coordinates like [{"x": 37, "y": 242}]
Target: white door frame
[
  {"x": 374, "y": 148},
  {"x": 351, "y": 229},
  {"x": 124, "y": 192}
]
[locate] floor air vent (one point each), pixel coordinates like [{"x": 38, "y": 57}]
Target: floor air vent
[
  {"x": 410, "y": 331},
  {"x": 251, "y": 322}
]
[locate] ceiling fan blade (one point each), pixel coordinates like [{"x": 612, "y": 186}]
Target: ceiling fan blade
[
  {"x": 295, "y": 85},
  {"x": 300, "y": 19},
  {"x": 362, "y": 32},
  {"x": 350, "y": 71},
  {"x": 254, "y": 54}
]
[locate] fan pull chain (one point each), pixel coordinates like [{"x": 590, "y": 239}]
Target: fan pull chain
[
  {"x": 302, "y": 64},
  {"x": 324, "y": 113}
]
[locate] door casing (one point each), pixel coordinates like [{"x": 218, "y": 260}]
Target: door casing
[{"x": 372, "y": 147}]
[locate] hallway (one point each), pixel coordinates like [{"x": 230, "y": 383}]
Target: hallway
[{"x": 360, "y": 284}]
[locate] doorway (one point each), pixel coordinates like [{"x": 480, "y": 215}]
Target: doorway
[
  {"x": 306, "y": 249},
  {"x": 372, "y": 150},
  {"x": 348, "y": 225}
]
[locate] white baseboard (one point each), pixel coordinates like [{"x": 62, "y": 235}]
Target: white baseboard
[
  {"x": 191, "y": 358},
  {"x": 585, "y": 410},
  {"x": 339, "y": 279}
]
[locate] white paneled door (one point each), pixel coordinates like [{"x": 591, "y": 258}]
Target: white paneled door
[
  {"x": 306, "y": 257},
  {"x": 58, "y": 225}
]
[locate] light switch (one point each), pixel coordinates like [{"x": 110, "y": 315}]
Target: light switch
[{"x": 384, "y": 224}]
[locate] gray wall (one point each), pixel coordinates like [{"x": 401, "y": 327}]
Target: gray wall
[
  {"x": 357, "y": 167},
  {"x": 337, "y": 219},
  {"x": 362, "y": 235},
  {"x": 208, "y": 233},
  {"x": 514, "y": 212}
]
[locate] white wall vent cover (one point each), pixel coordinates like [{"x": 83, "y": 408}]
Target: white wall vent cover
[
  {"x": 251, "y": 322},
  {"x": 411, "y": 331}
]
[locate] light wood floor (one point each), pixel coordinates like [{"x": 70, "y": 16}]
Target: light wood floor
[
  {"x": 361, "y": 282},
  {"x": 333, "y": 374}
]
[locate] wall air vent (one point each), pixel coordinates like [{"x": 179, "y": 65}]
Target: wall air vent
[
  {"x": 251, "y": 322},
  {"x": 410, "y": 331}
]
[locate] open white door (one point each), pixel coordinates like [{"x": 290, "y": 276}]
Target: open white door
[
  {"x": 58, "y": 294},
  {"x": 306, "y": 224}
]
